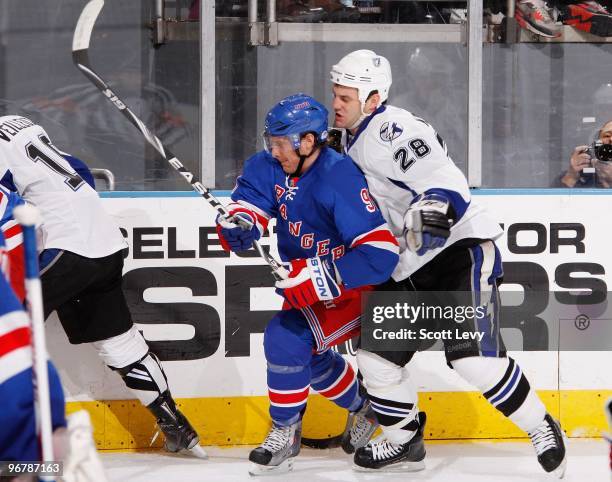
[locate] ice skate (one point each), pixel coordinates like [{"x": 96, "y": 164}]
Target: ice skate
[
  {"x": 277, "y": 452},
  {"x": 548, "y": 441},
  {"x": 382, "y": 455},
  {"x": 180, "y": 435},
  {"x": 360, "y": 426}
]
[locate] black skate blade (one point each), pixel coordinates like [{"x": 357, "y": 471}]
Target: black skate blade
[
  {"x": 263, "y": 470},
  {"x": 322, "y": 443},
  {"x": 399, "y": 467}
]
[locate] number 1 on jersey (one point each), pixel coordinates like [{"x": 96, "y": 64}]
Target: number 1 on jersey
[{"x": 72, "y": 178}]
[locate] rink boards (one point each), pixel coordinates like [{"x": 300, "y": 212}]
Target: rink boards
[{"x": 204, "y": 313}]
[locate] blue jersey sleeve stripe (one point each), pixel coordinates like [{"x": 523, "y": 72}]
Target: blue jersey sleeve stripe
[
  {"x": 81, "y": 169},
  {"x": 459, "y": 204}
]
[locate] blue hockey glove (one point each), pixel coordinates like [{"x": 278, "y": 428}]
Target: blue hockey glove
[
  {"x": 236, "y": 236},
  {"x": 427, "y": 223}
]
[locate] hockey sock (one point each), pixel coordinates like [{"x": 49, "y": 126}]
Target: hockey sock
[
  {"x": 334, "y": 378},
  {"x": 140, "y": 369},
  {"x": 392, "y": 396},
  {"x": 504, "y": 385},
  {"x": 288, "y": 347},
  {"x": 288, "y": 388}
]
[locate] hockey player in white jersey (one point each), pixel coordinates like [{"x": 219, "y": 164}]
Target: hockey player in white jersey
[
  {"x": 447, "y": 243},
  {"x": 81, "y": 262}
]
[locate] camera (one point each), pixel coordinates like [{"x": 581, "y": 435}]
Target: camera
[
  {"x": 600, "y": 151},
  {"x": 337, "y": 139}
]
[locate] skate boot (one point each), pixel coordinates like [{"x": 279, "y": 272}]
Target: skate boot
[
  {"x": 383, "y": 455},
  {"x": 549, "y": 444},
  {"x": 277, "y": 452},
  {"x": 180, "y": 435},
  {"x": 360, "y": 426}
]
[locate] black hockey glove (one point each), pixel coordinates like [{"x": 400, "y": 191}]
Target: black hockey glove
[{"x": 428, "y": 223}]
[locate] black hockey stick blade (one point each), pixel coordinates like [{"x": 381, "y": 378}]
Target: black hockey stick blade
[
  {"x": 80, "y": 56},
  {"x": 322, "y": 443}
]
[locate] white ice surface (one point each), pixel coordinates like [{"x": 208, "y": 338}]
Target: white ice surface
[{"x": 456, "y": 462}]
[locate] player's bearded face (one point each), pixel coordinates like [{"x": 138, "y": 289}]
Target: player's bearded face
[
  {"x": 346, "y": 105},
  {"x": 282, "y": 150}
]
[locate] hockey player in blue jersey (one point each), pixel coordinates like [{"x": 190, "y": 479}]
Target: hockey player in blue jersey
[
  {"x": 447, "y": 243},
  {"x": 19, "y": 441},
  {"x": 335, "y": 244},
  {"x": 18, "y": 438}
]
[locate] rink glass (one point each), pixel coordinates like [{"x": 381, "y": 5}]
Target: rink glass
[{"x": 540, "y": 99}]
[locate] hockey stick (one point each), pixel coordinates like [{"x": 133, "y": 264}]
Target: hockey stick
[
  {"x": 27, "y": 215},
  {"x": 80, "y": 57}
]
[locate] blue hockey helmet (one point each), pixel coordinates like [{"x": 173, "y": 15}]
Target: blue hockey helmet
[{"x": 295, "y": 116}]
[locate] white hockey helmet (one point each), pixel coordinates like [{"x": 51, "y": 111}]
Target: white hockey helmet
[{"x": 364, "y": 70}]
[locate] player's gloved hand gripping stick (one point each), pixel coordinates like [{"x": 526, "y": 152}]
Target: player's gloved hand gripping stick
[
  {"x": 427, "y": 223},
  {"x": 309, "y": 281},
  {"x": 80, "y": 48}
]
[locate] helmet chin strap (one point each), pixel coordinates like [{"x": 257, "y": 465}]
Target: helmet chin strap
[
  {"x": 298, "y": 169},
  {"x": 361, "y": 117}
]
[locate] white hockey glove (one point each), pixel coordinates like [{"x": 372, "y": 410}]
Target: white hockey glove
[
  {"x": 82, "y": 463},
  {"x": 310, "y": 280},
  {"x": 427, "y": 223}
]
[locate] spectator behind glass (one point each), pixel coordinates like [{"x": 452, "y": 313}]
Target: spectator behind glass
[
  {"x": 312, "y": 11},
  {"x": 586, "y": 157},
  {"x": 547, "y": 17}
]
